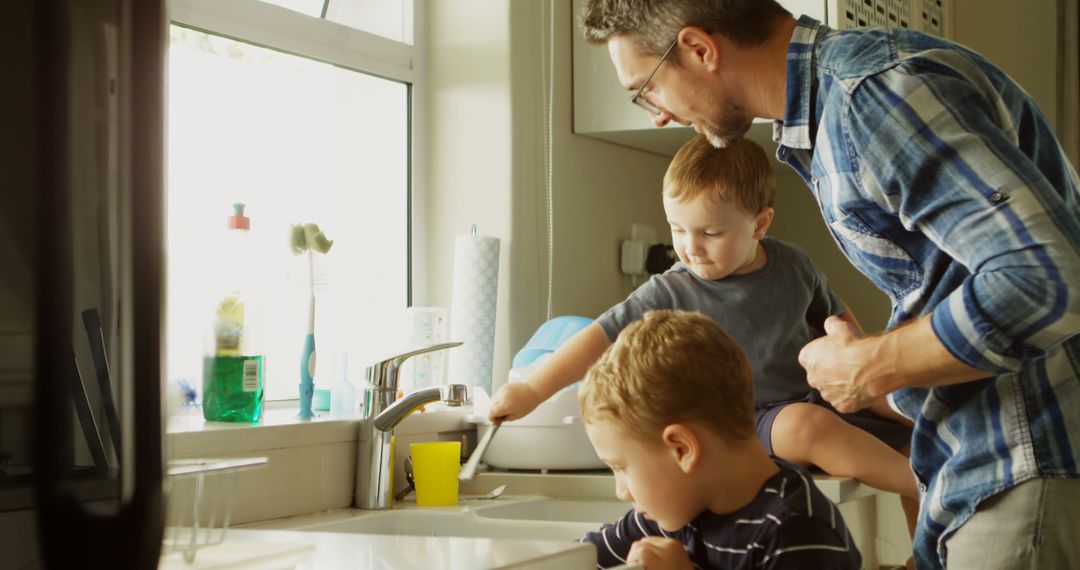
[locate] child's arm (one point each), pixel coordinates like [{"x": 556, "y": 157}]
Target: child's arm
[
  {"x": 567, "y": 365},
  {"x": 615, "y": 542}
]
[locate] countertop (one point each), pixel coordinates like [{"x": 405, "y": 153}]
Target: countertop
[{"x": 267, "y": 549}]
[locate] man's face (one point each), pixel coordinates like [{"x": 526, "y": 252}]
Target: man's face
[{"x": 684, "y": 89}]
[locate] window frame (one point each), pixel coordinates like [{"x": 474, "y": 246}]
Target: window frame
[
  {"x": 284, "y": 30},
  {"x": 281, "y": 29}
]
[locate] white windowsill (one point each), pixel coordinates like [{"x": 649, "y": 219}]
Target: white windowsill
[{"x": 189, "y": 435}]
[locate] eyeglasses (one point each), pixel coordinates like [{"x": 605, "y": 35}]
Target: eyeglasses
[{"x": 639, "y": 97}]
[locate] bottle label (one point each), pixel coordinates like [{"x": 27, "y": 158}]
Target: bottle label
[{"x": 251, "y": 375}]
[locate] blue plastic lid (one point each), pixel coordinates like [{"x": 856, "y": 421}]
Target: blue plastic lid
[{"x": 548, "y": 337}]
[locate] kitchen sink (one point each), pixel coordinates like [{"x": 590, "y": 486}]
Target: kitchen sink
[
  {"x": 570, "y": 510},
  {"x": 532, "y": 518},
  {"x": 451, "y": 523}
]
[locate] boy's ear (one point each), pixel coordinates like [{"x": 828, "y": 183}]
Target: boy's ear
[
  {"x": 762, "y": 222},
  {"x": 683, "y": 444}
]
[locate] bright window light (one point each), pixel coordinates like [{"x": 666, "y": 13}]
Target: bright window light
[
  {"x": 296, "y": 140},
  {"x": 311, "y": 8},
  {"x": 387, "y": 18}
]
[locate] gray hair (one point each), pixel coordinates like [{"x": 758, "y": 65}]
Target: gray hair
[{"x": 654, "y": 24}]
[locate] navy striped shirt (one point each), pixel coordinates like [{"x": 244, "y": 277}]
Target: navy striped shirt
[
  {"x": 943, "y": 183},
  {"x": 788, "y": 525}
]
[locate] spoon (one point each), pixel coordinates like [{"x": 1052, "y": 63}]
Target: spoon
[
  {"x": 494, "y": 493},
  {"x": 469, "y": 470},
  {"x": 408, "y": 478}
]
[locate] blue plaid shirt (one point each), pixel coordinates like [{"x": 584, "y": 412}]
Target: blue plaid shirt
[{"x": 942, "y": 181}]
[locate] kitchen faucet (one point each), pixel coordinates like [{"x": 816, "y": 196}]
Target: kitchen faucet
[{"x": 375, "y": 458}]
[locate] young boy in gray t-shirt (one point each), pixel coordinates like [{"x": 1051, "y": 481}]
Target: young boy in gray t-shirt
[{"x": 765, "y": 293}]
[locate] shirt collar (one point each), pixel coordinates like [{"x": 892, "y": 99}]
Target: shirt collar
[{"x": 794, "y": 130}]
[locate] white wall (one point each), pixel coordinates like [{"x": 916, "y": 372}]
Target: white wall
[
  {"x": 1020, "y": 37},
  {"x": 468, "y": 146},
  {"x": 486, "y": 150}
]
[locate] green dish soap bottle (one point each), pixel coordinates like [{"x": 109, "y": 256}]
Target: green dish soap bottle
[{"x": 233, "y": 370}]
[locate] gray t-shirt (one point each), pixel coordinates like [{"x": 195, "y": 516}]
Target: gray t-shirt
[{"x": 772, "y": 313}]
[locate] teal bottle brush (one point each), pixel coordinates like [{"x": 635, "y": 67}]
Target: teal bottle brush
[
  {"x": 307, "y": 238},
  {"x": 307, "y": 365}
]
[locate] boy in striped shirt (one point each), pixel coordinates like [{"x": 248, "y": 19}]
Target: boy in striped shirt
[{"x": 669, "y": 408}]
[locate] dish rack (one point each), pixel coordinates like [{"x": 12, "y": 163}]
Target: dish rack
[{"x": 199, "y": 491}]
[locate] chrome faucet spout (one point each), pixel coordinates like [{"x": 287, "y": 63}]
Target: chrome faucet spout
[
  {"x": 451, "y": 395},
  {"x": 382, "y": 413}
]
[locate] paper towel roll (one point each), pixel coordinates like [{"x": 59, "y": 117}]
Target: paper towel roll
[{"x": 472, "y": 310}]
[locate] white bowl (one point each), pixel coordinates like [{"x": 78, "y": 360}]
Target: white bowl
[{"x": 551, "y": 437}]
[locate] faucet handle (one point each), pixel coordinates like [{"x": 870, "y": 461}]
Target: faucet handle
[{"x": 383, "y": 374}]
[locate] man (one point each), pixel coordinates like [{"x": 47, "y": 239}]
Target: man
[{"x": 944, "y": 184}]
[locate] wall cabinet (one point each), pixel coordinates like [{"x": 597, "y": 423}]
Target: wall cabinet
[{"x": 602, "y": 107}]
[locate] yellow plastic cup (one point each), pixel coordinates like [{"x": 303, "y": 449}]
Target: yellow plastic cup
[{"x": 435, "y": 471}]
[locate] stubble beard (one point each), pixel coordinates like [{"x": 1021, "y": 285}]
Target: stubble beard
[{"x": 734, "y": 122}]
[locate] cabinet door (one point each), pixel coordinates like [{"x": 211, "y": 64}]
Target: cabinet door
[{"x": 602, "y": 106}]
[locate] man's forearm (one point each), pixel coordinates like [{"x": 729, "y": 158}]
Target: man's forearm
[{"x": 911, "y": 356}]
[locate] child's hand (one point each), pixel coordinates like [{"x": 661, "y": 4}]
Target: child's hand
[
  {"x": 513, "y": 401},
  {"x": 659, "y": 553}
]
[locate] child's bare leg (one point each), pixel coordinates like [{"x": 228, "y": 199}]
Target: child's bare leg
[
  {"x": 810, "y": 434},
  {"x": 911, "y": 510},
  {"x": 910, "y": 505}
]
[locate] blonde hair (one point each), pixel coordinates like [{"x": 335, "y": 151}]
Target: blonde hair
[
  {"x": 671, "y": 367},
  {"x": 739, "y": 173}
]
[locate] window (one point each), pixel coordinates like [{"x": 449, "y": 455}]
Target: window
[
  {"x": 387, "y": 18},
  {"x": 267, "y": 110}
]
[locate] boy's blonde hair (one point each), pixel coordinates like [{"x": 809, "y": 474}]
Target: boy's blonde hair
[
  {"x": 671, "y": 367},
  {"x": 740, "y": 174}
]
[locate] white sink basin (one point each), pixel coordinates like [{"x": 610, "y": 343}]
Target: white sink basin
[
  {"x": 570, "y": 510},
  {"x": 451, "y": 523},
  {"x": 532, "y": 518}
]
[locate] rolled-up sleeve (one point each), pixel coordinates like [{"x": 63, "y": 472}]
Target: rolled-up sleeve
[{"x": 958, "y": 165}]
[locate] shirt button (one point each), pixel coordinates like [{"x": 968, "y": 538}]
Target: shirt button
[{"x": 997, "y": 197}]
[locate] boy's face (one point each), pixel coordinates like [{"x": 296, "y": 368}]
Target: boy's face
[
  {"x": 646, "y": 475},
  {"x": 716, "y": 239}
]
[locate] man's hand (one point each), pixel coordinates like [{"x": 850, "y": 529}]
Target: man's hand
[
  {"x": 659, "y": 553},
  {"x": 837, "y": 365},
  {"x": 513, "y": 401}
]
